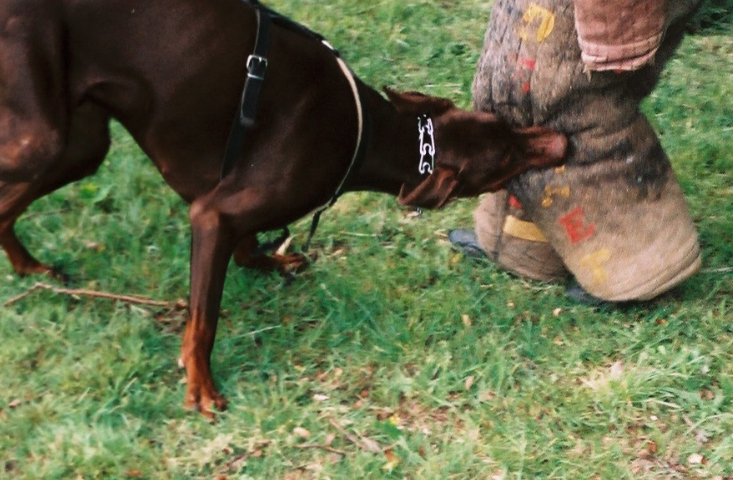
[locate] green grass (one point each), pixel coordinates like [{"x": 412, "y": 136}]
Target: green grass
[{"x": 450, "y": 367}]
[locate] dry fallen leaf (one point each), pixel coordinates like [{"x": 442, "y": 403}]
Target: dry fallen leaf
[
  {"x": 296, "y": 475},
  {"x": 314, "y": 467},
  {"x": 392, "y": 461},
  {"x": 706, "y": 394},
  {"x": 696, "y": 459},
  {"x": 486, "y": 396},
  {"x": 644, "y": 454},
  {"x": 616, "y": 370},
  {"x": 498, "y": 475},
  {"x": 469, "y": 382},
  {"x": 642, "y": 465},
  {"x": 302, "y": 432},
  {"x": 334, "y": 458},
  {"x": 466, "y": 320},
  {"x": 370, "y": 445},
  {"x": 578, "y": 450}
]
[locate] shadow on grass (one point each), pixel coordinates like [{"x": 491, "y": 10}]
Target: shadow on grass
[{"x": 714, "y": 17}]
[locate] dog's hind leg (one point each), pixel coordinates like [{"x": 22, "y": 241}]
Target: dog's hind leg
[
  {"x": 34, "y": 115},
  {"x": 84, "y": 150},
  {"x": 247, "y": 255}
]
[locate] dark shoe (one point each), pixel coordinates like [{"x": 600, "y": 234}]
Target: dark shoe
[
  {"x": 576, "y": 293},
  {"x": 465, "y": 241}
]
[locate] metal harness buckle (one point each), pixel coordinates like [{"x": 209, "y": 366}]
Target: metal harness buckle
[{"x": 256, "y": 66}]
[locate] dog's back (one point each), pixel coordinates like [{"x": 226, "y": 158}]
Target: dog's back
[{"x": 171, "y": 71}]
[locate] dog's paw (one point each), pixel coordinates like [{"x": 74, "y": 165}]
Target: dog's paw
[
  {"x": 291, "y": 263},
  {"x": 207, "y": 403},
  {"x": 36, "y": 268},
  {"x": 60, "y": 276}
]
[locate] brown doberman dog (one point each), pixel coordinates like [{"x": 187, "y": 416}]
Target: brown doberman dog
[{"x": 171, "y": 72}]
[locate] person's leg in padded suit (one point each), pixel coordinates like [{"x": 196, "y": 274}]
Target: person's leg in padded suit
[{"x": 614, "y": 216}]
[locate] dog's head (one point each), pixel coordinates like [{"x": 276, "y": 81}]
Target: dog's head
[{"x": 475, "y": 152}]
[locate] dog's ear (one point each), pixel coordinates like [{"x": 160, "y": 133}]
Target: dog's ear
[
  {"x": 539, "y": 147},
  {"x": 433, "y": 192},
  {"x": 416, "y": 103}
]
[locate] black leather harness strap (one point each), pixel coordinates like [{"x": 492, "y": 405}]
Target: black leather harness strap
[{"x": 246, "y": 115}]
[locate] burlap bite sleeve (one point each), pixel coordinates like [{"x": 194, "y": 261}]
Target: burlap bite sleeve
[{"x": 615, "y": 212}]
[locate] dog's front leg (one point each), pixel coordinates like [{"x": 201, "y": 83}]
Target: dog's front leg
[{"x": 211, "y": 249}]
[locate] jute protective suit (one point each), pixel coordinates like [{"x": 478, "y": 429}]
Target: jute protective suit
[{"x": 614, "y": 215}]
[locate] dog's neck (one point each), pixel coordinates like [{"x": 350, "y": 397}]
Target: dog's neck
[{"x": 393, "y": 155}]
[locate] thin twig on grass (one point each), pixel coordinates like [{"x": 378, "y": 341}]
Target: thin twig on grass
[
  {"x": 254, "y": 333},
  {"x": 76, "y": 292},
  {"x": 718, "y": 270},
  {"x": 310, "y": 446},
  {"x": 26, "y": 216},
  {"x": 365, "y": 444}
]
